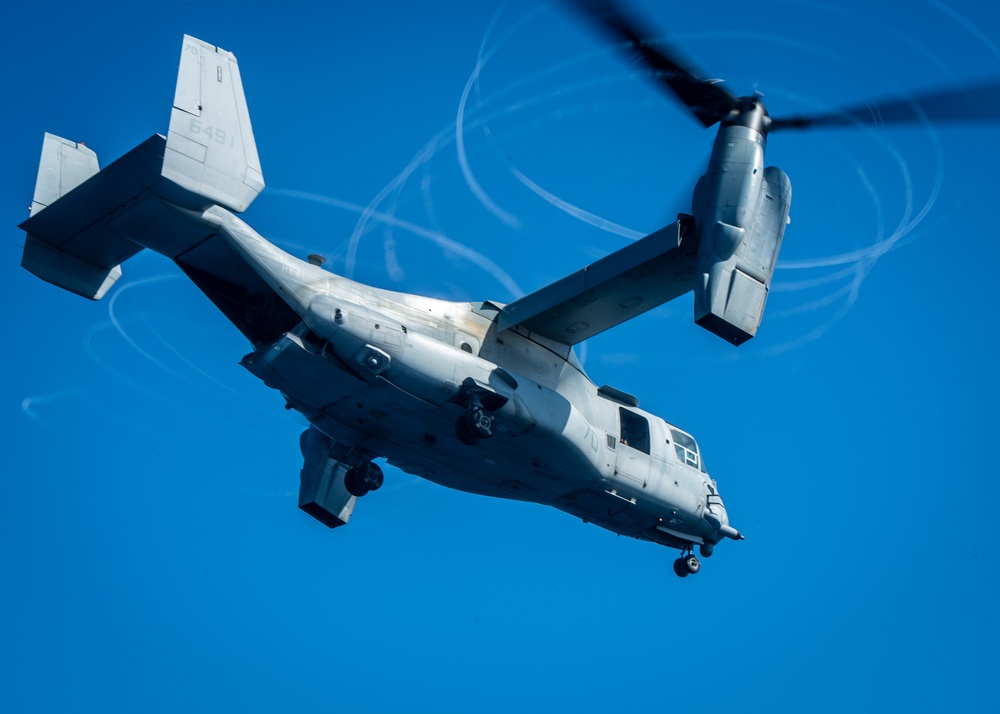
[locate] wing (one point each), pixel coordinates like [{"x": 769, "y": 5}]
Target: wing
[{"x": 627, "y": 283}]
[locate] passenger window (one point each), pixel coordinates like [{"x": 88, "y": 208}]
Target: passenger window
[
  {"x": 635, "y": 430},
  {"x": 686, "y": 448}
]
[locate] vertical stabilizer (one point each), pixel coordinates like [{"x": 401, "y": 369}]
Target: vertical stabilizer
[
  {"x": 210, "y": 146},
  {"x": 85, "y": 222},
  {"x": 63, "y": 166}
]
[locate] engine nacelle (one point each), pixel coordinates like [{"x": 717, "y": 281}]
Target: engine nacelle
[{"x": 741, "y": 211}]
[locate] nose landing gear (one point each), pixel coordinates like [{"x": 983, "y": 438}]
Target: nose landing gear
[{"x": 687, "y": 564}]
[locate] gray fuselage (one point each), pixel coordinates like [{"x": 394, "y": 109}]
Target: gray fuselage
[{"x": 386, "y": 372}]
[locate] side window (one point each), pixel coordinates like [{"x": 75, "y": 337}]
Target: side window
[
  {"x": 635, "y": 430},
  {"x": 686, "y": 448}
]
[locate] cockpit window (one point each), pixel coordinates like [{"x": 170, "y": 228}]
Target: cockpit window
[
  {"x": 686, "y": 448},
  {"x": 635, "y": 430}
]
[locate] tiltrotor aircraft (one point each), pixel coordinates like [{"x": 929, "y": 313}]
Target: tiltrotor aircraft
[{"x": 481, "y": 397}]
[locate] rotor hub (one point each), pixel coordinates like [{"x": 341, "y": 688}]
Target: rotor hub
[{"x": 749, "y": 112}]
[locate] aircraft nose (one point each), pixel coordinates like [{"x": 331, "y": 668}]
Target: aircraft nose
[{"x": 717, "y": 517}]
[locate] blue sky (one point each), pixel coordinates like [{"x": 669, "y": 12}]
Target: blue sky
[{"x": 153, "y": 555}]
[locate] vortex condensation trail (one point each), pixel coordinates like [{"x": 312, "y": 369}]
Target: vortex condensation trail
[
  {"x": 113, "y": 317},
  {"x": 456, "y": 132},
  {"x": 117, "y": 323},
  {"x": 30, "y": 403},
  {"x": 121, "y": 330},
  {"x": 860, "y": 262},
  {"x": 439, "y": 239}
]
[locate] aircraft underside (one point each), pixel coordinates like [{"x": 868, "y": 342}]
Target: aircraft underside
[{"x": 381, "y": 420}]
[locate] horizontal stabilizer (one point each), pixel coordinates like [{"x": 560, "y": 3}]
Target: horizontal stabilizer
[
  {"x": 620, "y": 286},
  {"x": 63, "y": 166},
  {"x": 71, "y": 242}
]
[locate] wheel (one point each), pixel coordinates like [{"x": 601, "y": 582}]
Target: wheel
[
  {"x": 692, "y": 564},
  {"x": 466, "y": 431},
  {"x": 354, "y": 482},
  {"x": 680, "y": 568},
  {"x": 372, "y": 476},
  {"x": 482, "y": 424}
]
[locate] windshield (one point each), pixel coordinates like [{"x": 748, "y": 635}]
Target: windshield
[{"x": 686, "y": 448}]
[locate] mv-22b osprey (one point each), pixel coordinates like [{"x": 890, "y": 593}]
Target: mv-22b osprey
[{"x": 479, "y": 396}]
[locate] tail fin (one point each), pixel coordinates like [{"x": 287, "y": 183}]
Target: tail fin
[
  {"x": 64, "y": 166},
  {"x": 210, "y": 146},
  {"x": 85, "y": 222}
]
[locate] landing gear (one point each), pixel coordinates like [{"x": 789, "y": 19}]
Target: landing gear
[
  {"x": 687, "y": 565},
  {"x": 473, "y": 426},
  {"x": 361, "y": 479}
]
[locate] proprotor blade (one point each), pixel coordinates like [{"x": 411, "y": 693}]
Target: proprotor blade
[
  {"x": 707, "y": 99},
  {"x": 977, "y": 102}
]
